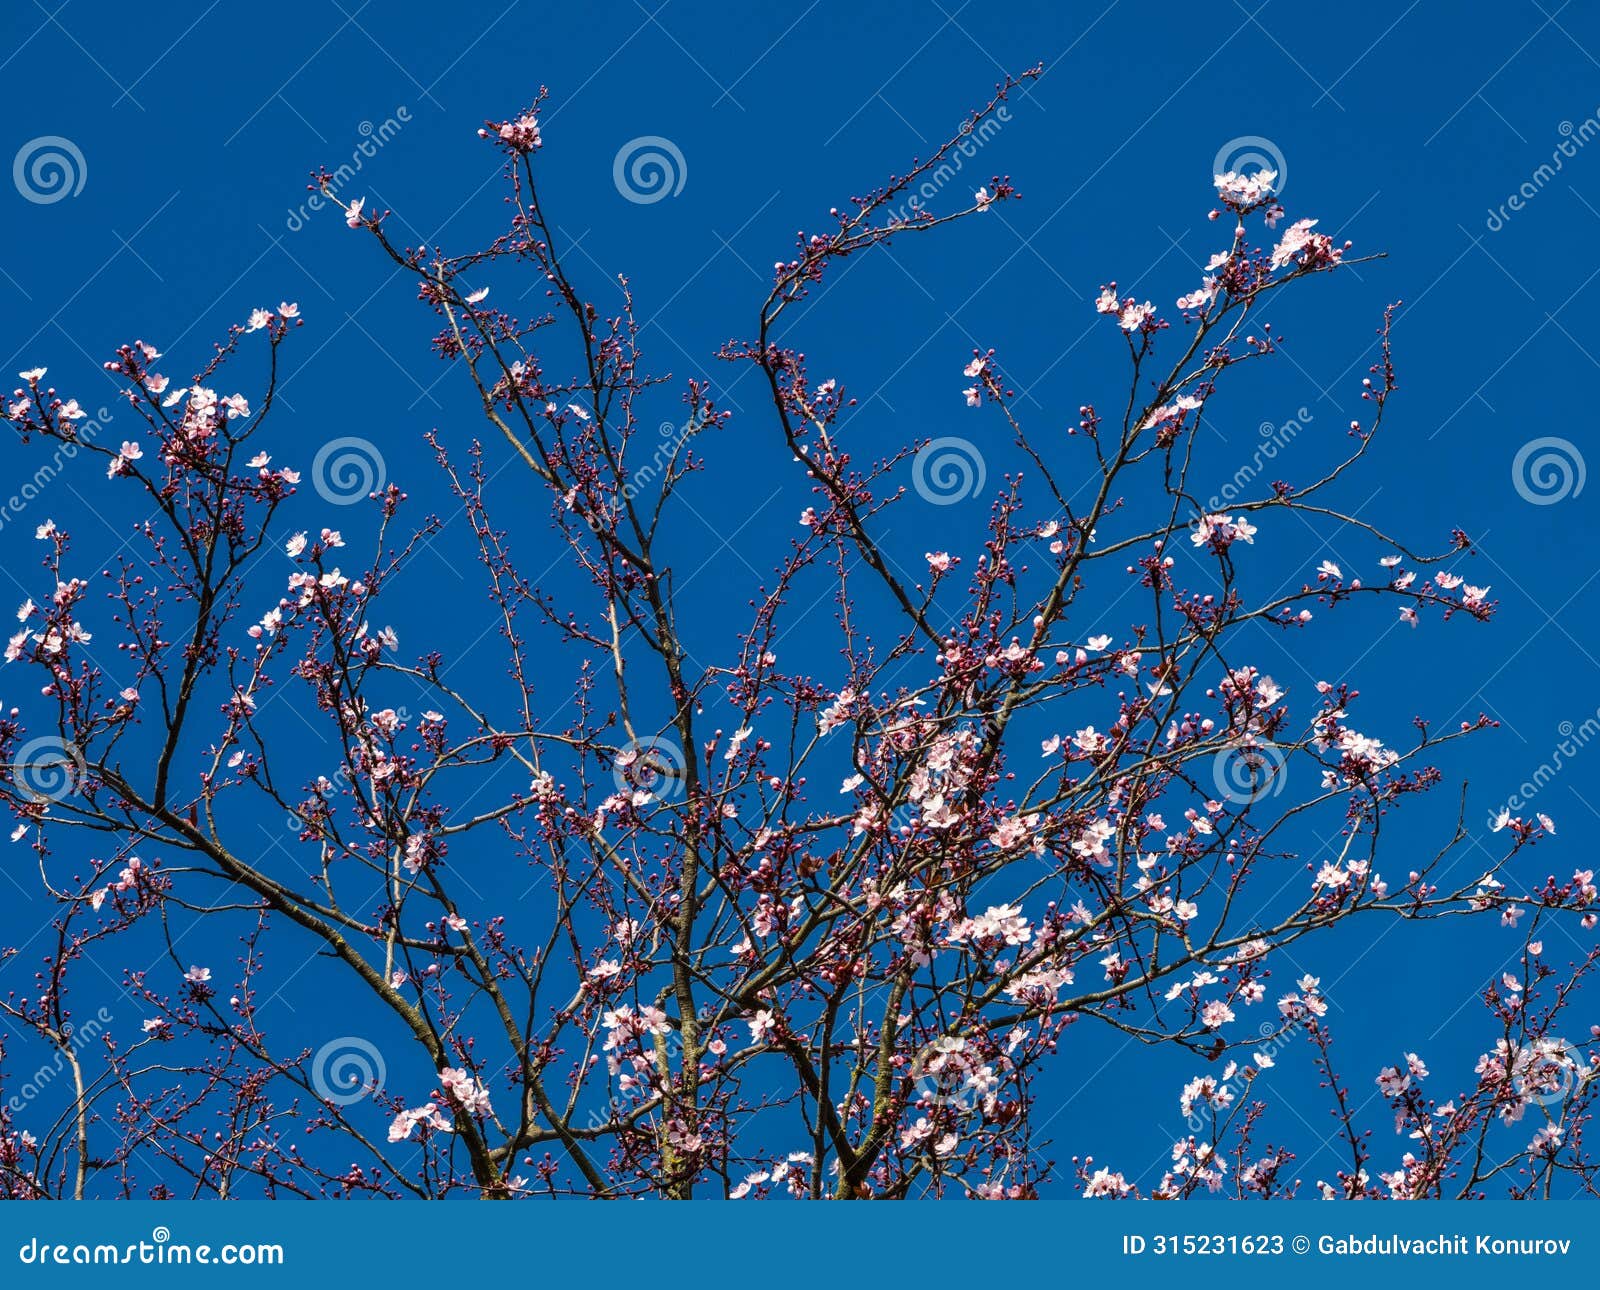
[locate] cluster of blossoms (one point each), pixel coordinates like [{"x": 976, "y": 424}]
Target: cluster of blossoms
[
  {"x": 1218, "y": 532},
  {"x": 857, "y": 901},
  {"x": 521, "y": 135}
]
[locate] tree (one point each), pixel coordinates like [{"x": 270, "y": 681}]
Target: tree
[{"x": 811, "y": 925}]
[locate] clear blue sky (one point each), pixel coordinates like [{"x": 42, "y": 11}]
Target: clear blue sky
[{"x": 1404, "y": 128}]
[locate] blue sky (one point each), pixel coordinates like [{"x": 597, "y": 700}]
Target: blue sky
[{"x": 1409, "y": 130}]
